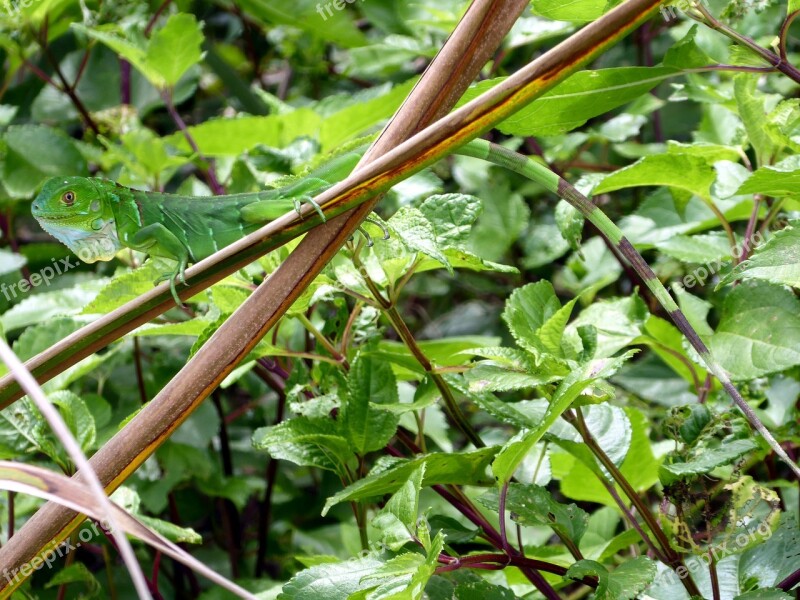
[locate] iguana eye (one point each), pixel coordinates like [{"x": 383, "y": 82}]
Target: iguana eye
[{"x": 68, "y": 198}]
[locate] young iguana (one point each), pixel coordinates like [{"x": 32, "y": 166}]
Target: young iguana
[{"x": 96, "y": 217}]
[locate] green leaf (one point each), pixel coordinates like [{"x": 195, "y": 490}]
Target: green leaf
[
  {"x": 77, "y": 417},
  {"x": 306, "y": 442},
  {"x": 780, "y": 179},
  {"x": 537, "y": 320},
  {"x": 570, "y": 223},
  {"x": 452, "y": 217},
  {"x": 533, "y": 505},
  {"x": 707, "y": 460},
  {"x": 579, "y": 11},
  {"x": 459, "y": 468},
  {"x": 35, "y": 153},
  {"x": 324, "y": 20},
  {"x": 482, "y": 590},
  {"x": 232, "y": 137},
  {"x": 618, "y": 322},
  {"x": 753, "y": 114},
  {"x": 777, "y": 261},
  {"x": 336, "y": 581},
  {"x": 174, "y": 49},
  {"x": 759, "y": 331},
  {"x": 370, "y": 383},
  {"x": 515, "y": 450},
  {"x": 682, "y": 171},
  {"x": 582, "y": 96},
  {"x": 42, "y": 307},
  {"x": 397, "y": 520},
  {"x": 625, "y": 582},
  {"x": 418, "y": 233},
  {"x": 77, "y": 573}
]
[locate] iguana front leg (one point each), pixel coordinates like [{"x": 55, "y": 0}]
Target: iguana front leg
[{"x": 157, "y": 240}]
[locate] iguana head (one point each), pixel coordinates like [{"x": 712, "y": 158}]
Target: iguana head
[{"x": 77, "y": 212}]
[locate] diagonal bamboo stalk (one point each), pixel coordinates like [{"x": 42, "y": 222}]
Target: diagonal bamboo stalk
[{"x": 231, "y": 343}]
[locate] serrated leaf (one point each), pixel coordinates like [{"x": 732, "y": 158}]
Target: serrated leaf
[
  {"x": 174, "y": 49},
  {"x": 759, "y": 331},
  {"x": 418, "y": 233},
  {"x": 332, "y": 581},
  {"x": 706, "y": 461},
  {"x": 625, "y": 582},
  {"x": 306, "y": 442},
  {"x": 780, "y": 179},
  {"x": 370, "y": 381},
  {"x": 514, "y": 451},
  {"x": 537, "y": 320},
  {"x": 35, "y": 153},
  {"x": 533, "y": 505},
  {"x": 460, "y": 468},
  {"x": 682, "y": 171},
  {"x": 452, "y": 217},
  {"x": 776, "y": 261}
]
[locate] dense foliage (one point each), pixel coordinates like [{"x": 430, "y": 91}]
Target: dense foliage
[{"x": 487, "y": 404}]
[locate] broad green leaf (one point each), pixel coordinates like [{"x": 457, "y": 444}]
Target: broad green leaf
[
  {"x": 332, "y": 581},
  {"x": 533, "y": 505},
  {"x": 776, "y": 261},
  {"x": 42, "y": 307},
  {"x": 452, "y": 217},
  {"x": 618, "y": 322},
  {"x": 699, "y": 249},
  {"x": 753, "y": 114},
  {"x": 579, "y": 11},
  {"x": 582, "y": 96},
  {"x": 682, "y": 171},
  {"x": 774, "y": 560},
  {"x": 537, "y": 320},
  {"x": 324, "y": 20},
  {"x": 625, "y": 582},
  {"x": 77, "y": 573},
  {"x": 35, "y": 153},
  {"x": 77, "y": 417},
  {"x": 515, "y": 450},
  {"x": 232, "y": 137},
  {"x": 707, "y": 460},
  {"x": 418, "y": 233},
  {"x": 482, "y": 590},
  {"x": 370, "y": 383},
  {"x": 759, "y": 331},
  {"x": 174, "y": 48},
  {"x": 125, "y": 287},
  {"x": 306, "y": 442},
  {"x": 780, "y": 179},
  {"x": 686, "y": 54},
  {"x": 460, "y": 468},
  {"x": 397, "y": 520}
]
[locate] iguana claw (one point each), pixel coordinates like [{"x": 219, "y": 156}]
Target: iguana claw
[{"x": 312, "y": 202}]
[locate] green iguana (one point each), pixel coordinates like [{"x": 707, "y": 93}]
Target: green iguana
[{"x": 96, "y": 217}]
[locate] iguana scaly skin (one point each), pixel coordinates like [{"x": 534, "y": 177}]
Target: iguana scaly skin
[{"x": 96, "y": 217}]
